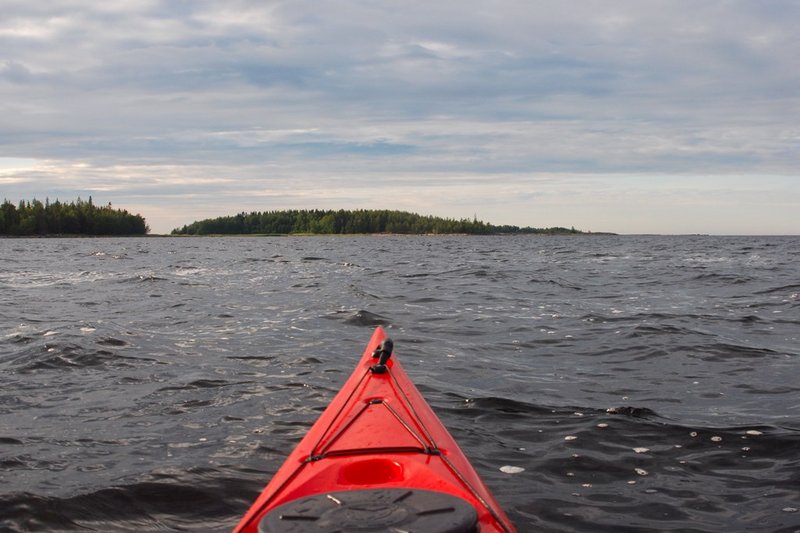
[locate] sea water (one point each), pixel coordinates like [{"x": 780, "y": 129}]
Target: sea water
[{"x": 620, "y": 383}]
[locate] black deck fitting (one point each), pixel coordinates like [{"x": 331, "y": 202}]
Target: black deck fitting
[{"x": 383, "y": 352}]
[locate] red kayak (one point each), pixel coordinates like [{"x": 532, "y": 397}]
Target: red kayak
[{"x": 378, "y": 459}]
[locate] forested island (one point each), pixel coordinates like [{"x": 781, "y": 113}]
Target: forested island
[
  {"x": 341, "y": 222},
  {"x": 74, "y": 218}
]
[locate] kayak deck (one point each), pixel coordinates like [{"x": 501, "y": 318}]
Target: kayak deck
[{"x": 377, "y": 456}]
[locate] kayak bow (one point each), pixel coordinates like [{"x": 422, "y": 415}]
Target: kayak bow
[{"x": 377, "y": 459}]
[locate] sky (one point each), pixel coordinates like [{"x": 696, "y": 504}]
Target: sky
[{"x": 664, "y": 116}]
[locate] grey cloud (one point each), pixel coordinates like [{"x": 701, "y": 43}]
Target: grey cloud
[{"x": 460, "y": 88}]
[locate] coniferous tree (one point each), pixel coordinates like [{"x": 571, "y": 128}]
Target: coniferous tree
[
  {"x": 77, "y": 218},
  {"x": 348, "y": 222}
]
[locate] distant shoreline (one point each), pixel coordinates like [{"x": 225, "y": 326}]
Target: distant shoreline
[
  {"x": 337, "y": 235},
  {"x": 387, "y": 234},
  {"x": 289, "y": 235},
  {"x": 352, "y": 222}
]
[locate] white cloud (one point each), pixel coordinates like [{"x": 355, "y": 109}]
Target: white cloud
[{"x": 272, "y": 104}]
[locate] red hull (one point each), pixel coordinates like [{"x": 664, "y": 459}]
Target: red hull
[{"x": 377, "y": 433}]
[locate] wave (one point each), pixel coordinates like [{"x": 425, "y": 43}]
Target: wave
[
  {"x": 361, "y": 318},
  {"x": 723, "y": 278},
  {"x": 721, "y": 351},
  {"x": 147, "y": 506},
  {"x": 200, "y": 384},
  {"x": 647, "y": 330},
  {"x": 595, "y": 469},
  {"x": 143, "y": 278},
  {"x": 67, "y": 356},
  {"x": 782, "y": 288}
]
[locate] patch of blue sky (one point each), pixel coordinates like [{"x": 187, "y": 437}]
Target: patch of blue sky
[{"x": 325, "y": 149}]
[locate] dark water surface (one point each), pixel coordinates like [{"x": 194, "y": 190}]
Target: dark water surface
[{"x": 642, "y": 383}]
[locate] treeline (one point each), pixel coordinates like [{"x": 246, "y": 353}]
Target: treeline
[
  {"x": 348, "y": 222},
  {"x": 74, "y": 218}
]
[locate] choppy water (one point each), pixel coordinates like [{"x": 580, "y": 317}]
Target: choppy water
[{"x": 641, "y": 382}]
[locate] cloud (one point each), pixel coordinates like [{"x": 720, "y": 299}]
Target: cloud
[{"x": 214, "y": 100}]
